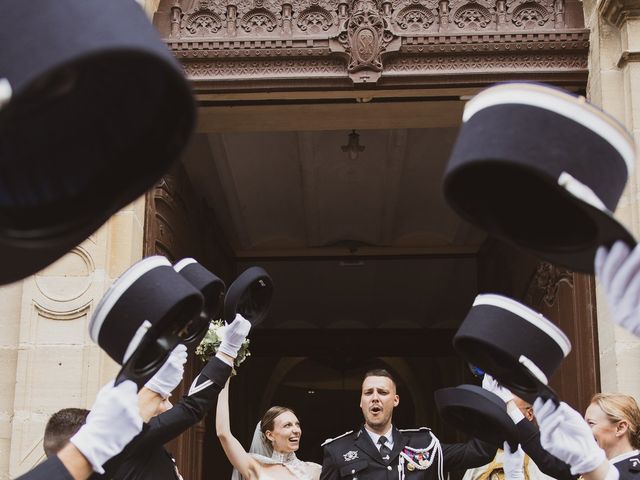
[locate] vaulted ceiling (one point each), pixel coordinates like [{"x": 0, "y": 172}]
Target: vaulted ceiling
[
  {"x": 364, "y": 242},
  {"x": 297, "y": 193}
]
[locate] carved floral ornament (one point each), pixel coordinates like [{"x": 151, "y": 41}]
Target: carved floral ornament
[
  {"x": 546, "y": 282},
  {"x": 363, "y": 31},
  {"x": 207, "y": 18}
]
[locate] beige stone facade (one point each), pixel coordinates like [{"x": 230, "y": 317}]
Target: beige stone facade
[
  {"x": 47, "y": 360},
  {"x": 614, "y": 84}
]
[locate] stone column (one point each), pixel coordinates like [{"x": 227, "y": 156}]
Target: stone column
[
  {"x": 47, "y": 360},
  {"x": 614, "y": 84}
]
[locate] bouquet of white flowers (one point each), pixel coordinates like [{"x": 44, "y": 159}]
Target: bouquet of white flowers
[{"x": 212, "y": 340}]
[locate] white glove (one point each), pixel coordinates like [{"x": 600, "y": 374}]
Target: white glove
[
  {"x": 170, "y": 374},
  {"x": 513, "y": 463},
  {"x": 618, "y": 271},
  {"x": 112, "y": 423},
  {"x": 565, "y": 434},
  {"x": 233, "y": 335},
  {"x": 491, "y": 384}
]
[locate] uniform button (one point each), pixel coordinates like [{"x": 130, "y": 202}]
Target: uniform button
[{"x": 389, "y": 467}]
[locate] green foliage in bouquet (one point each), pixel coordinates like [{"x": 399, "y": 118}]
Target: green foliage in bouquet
[{"x": 211, "y": 342}]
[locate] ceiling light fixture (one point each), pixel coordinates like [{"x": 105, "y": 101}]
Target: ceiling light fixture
[{"x": 353, "y": 147}]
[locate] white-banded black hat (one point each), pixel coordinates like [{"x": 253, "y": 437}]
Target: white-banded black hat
[
  {"x": 212, "y": 289},
  {"x": 516, "y": 345},
  {"x": 478, "y": 413},
  {"x": 145, "y": 313},
  {"x": 95, "y": 109},
  {"x": 249, "y": 295},
  {"x": 543, "y": 169}
]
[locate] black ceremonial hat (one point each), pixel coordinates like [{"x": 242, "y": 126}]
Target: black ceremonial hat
[
  {"x": 478, "y": 413},
  {"x": 249, "y": 295},
  {"x": 543, "y": 169},
  {"x": 99, "y": 110},
  {"x": 516, "y": 345},
  {"x": 212, "y": 289},
  {"x": 145, "y": 313}
]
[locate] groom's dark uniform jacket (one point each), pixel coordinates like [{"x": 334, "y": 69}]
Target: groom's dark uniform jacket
[
  {"x": 145, "y": 457},
  {"x": 415, "y": 456}
]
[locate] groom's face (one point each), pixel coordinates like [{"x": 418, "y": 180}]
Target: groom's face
[{"x": 377, "y": 401}]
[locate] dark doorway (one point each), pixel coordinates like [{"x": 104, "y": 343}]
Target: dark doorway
[
  {"x": 324, "y": 388},
  {"x": 326, "y": 398}
]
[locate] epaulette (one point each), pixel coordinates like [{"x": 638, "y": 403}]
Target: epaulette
[
  {"x": 419, "y": 429},
  {"x": 329, "y": 440}
]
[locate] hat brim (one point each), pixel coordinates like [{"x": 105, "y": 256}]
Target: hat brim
[
  {"x": 525, "y": 207},
  {"x": 249, "y": 295},
  {"x": 609, "y": 230},
  {"x": 77, "y": 121},
  {"x": 478, "y": 413},
  {"x": 502, "y": 366}
]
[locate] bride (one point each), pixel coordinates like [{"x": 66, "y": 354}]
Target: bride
[{"x": 272, "y": 453}]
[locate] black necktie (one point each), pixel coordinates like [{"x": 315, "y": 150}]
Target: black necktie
[{"x": 385, "y": 452}]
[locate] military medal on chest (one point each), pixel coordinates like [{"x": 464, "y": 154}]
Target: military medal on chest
[{"x": 413, "y": 458}]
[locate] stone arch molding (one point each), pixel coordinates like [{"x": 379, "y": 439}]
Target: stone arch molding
[{"x": 63, "y": 290}]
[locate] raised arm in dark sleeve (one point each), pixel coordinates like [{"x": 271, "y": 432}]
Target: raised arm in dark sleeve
[
  {"x": 191, "y": 408},
  {"x": 462, "y": 456},
  {"x": 547, "y": 463}
]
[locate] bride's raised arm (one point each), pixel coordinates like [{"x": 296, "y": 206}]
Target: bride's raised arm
[{"x": 237, "y": 455}]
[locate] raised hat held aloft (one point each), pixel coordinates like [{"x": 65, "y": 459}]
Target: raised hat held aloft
[{"x": 543, "y": 169}]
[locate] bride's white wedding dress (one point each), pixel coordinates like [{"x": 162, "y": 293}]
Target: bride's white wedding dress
[{"x": 299, "y": 469}]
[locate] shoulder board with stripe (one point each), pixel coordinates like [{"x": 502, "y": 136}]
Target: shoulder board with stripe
[
  {"x": 419, "y": 429},
  {"x": 329, "y": 440}
]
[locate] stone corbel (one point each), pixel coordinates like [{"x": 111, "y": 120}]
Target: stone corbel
[{"x": 617, "y": 12}]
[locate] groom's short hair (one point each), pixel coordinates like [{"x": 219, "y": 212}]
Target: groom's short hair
[
  {"x": 61, "y": 427},
  {"x": 380, "y": 372}
]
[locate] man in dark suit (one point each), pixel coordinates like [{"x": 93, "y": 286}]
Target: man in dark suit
[
  {"x": 145, "y": 457},
  {"x": 379, "y": 451}
]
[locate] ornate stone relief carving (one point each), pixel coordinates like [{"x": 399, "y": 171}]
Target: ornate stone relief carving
[
  {"x": 546, "y": 282},
  {"x": 472, "y": 15},
  {"x": 258, "y": 20},
  {"x": 530, "y": 15},
  {"x": 415, "y": 18},
  {"x": 314, "y": 20},
  {"x": 365, "y": 37},
  {"x": 368, "y": 35}
]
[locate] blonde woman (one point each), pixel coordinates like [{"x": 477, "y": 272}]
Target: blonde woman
[
  {"x": 601, "y": 446},
  {"x": 614, "y": 419}
]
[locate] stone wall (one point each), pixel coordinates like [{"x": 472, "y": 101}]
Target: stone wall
[
  {"x": 47, "y": 360},
  {"x": 614, "y": 84}
]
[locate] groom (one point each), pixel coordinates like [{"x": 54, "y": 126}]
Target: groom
[{"x": 379, "y": 451}]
